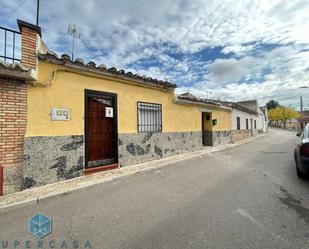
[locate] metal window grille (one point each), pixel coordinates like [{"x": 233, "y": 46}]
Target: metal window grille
[
  {"x": 149, "y": 117},
  {"x": 11, "y": 44}
]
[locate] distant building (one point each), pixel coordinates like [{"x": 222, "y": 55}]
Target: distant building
[{"x": 248, "y": 119}]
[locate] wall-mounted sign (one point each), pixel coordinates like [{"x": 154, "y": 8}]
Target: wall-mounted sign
[
  {"x": 60, "y": 114},
  {"x": 109, "y": 112}
]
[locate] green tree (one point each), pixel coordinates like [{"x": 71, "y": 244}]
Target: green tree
[{"x": 272, "y": 104}]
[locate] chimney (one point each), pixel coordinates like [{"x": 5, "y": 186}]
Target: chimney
[{"x": 30, "y": 37}]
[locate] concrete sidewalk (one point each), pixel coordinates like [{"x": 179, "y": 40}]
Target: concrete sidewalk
[{"x": 34, "y": 195}]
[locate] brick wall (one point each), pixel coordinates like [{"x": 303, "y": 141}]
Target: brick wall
[
  {"x": 28, "y": 48},
  {"x": 13, "y": 114}
]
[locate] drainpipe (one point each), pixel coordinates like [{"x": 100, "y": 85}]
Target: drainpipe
[{"x": 1, "y": 180}]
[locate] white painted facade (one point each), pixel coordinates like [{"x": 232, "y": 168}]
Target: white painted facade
[
  {"x": 264, "y": 112},
  {"x": 259, "y": 118}
]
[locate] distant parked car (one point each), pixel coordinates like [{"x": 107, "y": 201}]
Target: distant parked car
[{"x": 301, "y": 153}]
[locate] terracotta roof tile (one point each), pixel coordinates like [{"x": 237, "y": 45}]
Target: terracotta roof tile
[
  {"x": 199, "y": 100},
  {"x": 13, "y": 66},
  {"x": 15, "y": 71},
  {"x": 66, "y": 60}
]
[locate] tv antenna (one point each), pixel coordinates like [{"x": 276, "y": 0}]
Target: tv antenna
[
  {"x": 208, "y": 93},
  {"x": 75, "y": 32}
]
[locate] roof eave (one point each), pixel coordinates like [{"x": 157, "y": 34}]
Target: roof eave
[
  {"x": 15, "y": 71},
  {"x": 199, "y": 103},
  {"x": 67, "y": 63},
  {"x": 244, "y": 109}
]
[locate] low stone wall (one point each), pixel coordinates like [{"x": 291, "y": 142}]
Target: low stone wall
[
  {"x": 238, "y": 135},
  {"x": 214, "y": 138},
  {"x": 55, "y": 158},
  {"x": 142, "y": 147},
  {"x": 51, "y": 159},
  {"x": 221, "y": 137}
]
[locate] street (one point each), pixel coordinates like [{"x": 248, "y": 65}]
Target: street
[{"x": 247, "y": 196}]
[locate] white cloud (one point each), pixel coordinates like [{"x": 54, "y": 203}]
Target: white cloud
[
  {"x": 238, "y": 49},
  {"x": 288, "y": 70},
  {"x": 229, "y": 70},
  {"x": 123, "y": 33}
]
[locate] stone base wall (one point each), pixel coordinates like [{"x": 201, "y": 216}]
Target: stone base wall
[
  {"x": 221, "y": 137},
  {"x": 142, "y": 147},
  {"x": 214, "y": 138},
  {"x": 52, "y": 159},
  {"x": 238, "y": 135}
]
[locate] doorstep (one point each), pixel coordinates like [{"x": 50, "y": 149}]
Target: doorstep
[{"x": 97, "y": 169}]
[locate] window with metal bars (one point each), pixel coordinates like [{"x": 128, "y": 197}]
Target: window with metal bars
[{"x": 149, "y": 117}]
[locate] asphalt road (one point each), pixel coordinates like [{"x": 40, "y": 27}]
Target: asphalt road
[{"x": 243, "y": 197}]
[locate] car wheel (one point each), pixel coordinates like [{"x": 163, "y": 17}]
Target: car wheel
[{"x": 300, "y": 174}]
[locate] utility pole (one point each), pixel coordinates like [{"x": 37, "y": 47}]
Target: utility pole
[
  {"x": 37, "y": 12},
  {"x": 301, "y": 103}
]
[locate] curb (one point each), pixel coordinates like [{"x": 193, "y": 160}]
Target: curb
[{"x": 35, "y": 195}]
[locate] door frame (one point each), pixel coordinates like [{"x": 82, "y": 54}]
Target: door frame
[
  {"x": 93, "y": 93},
  {"x": 204, "y": 142}
]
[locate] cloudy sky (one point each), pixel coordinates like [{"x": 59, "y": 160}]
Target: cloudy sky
[{"x": 232, "y": 50}]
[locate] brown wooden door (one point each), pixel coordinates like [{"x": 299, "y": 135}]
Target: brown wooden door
[{"x": 101, "y": 132}]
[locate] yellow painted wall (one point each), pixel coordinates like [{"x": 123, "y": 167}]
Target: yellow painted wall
[
  {"x": 67, "y": 91},
  {"x": 224, "y": 121}
]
